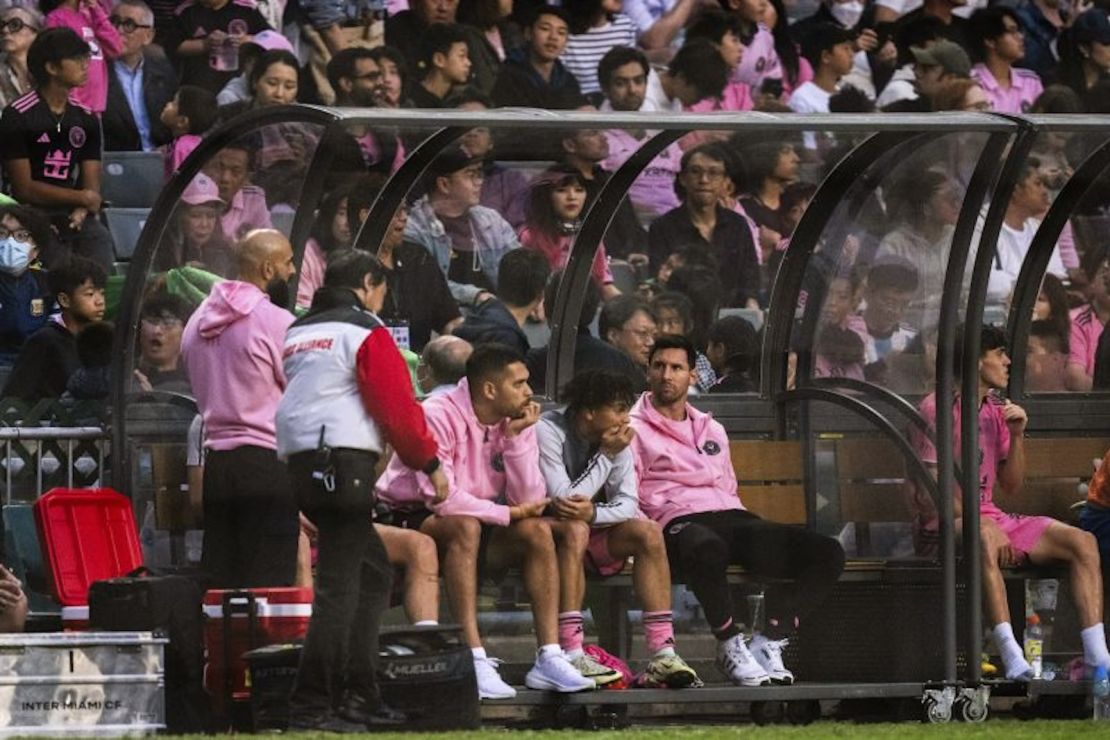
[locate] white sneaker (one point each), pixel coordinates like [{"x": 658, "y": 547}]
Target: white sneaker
[
  {"x": 768, "y": 653},
  {"x": 555, "y": 673},
  {"x": 490, "y": 683},
  {"x": 736, "y": 661}
]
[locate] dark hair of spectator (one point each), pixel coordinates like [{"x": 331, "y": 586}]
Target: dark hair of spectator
[
  {"x": 795, "y": 194},
  {"x": 677, "y": 302},
  {"x": 1092, "y": 260},
  {"x": 199, "y": 105},
  {"x": 52, "y": 46},
  {"x": 909, "y": 196},
  {"x": 247, "y": 145},
  {"x": 590, "y": 300},
  {"x": 482, "y": 14},
  {"x": 161, "y": 304},
  {"x": 674, "y": 341},
  {"x": 1048, "y": 332},
  {"x": 893, "y": 273},
  {"x": 325, "y": 217},
  {"x": 740, "y": 340},
  {"x": 591, "y": 390},
  {"x": 437, "y": 38},
  {"x": 488, "y": 362},
  {"x": 616, "y": 58},
  {"x": 1058, "y": 308},
  {"x": 540, "y": 10},
  {"x": 36, "y": 222},
  {"x": 986, "y": 24},
  {"x": 713, "y": 24},
  {"x": 618, "y": 311},
  {"x": 786, "y": 47},
  {"x": 94, "y": 344},
  {"x": 991, "y": 337},
  {"x": 73, "y": 273},
  {"x": 761, "y": 159},
  {"x": 388, "y": 53},
  {"x": 540, "y": 211},
  {"x": 916, "y": 33},
  {"x": 345, "y": 63},
  {"x": 849, "y": 99},
  {"x": 521, "y": 277},
  {"x": 269, "y": 59},
  {"x": 362, "y": 195},
  {"x": 471, "y": 94},
  {"x": 702, "y": 285},
  {"x": 348, "y": 268},
  {"x": 1058, "y": 99},
  {"x": 582, "y": 14},
  {"x": 821, "y": 38},
  {"x": 700, "y": 63},
  {"x": 710, "y": 150}
]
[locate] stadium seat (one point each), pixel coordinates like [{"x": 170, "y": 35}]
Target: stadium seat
[
  {"x": 283, "y": 221},
  {"x": 126, "y": 224},
  {"x": 132, "y": 179}
]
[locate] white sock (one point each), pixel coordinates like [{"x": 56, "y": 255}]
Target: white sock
[
  {"x": 479, "y": 653},
  {"x": 666, "y": 652},
  {"x": 576, "y": 653},
  {"x": 1094, "y": 645},
  {"x": 1012, "y": 655},
  {"x": 427, "y": 623},
  {"x": 549, "y": 651}
]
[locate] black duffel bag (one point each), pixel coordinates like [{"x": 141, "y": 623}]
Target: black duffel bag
[{"x": 428, "y": 673}]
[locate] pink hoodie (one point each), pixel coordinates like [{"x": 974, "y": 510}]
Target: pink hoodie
[
  {"x": 90, "y": 21},
  {"x": 684, "y": 467},
  {"x": 487, "y": 470},
  {"x": 232, "y": 349}
]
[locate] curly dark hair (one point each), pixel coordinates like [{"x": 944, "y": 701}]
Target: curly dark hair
[{"x": 593, "y": 389}]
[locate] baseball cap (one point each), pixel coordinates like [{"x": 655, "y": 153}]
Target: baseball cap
[
  {"x": 451, "y": 161},
  {"x": 1091, "y": 25},
  {"x": 271, "y": 41},
  {"x": 201, "y": 190},
  {"x": 945, "y": 54}
]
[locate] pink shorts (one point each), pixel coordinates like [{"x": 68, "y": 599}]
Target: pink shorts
[
  {"x": 597, "y": 554},
  {"x": 1022, "y": 531}
]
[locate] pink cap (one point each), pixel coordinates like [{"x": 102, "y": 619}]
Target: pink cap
[
  {"x": 271, "y": 41},
  {"x": 201, "y": 190}
]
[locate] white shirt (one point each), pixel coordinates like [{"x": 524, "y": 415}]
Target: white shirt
[
  {"x": 656, "y": 99},
  {"x": 1013, "y": 245},
  {"x": 809, "y": 98}
]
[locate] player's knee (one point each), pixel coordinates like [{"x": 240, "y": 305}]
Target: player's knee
[
  {"x": 461, "y": 533},
  {"x": 422, "y": 556}
]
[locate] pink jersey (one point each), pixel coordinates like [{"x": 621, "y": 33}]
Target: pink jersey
[
  {"x": 311, "y": 275},
  {"x": 1025, "y": 87},
  {"x": 178, "y": 151},
  {"x": 557, "y": 252},
  {"x": 760, "y": 61},
  {"x": 1086, "y": 328},
  {"x": 90, "y": 21},
  {"x": 994, "y": 443},
  {"x": 653, "y": 192},
  {"x": 735, "y": 97},
  {"x": 248, "y": 211}
]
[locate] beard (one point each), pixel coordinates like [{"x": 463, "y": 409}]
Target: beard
[{"x": 278, "y": 291}]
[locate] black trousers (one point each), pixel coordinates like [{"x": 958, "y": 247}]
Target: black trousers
[
  {"x": 701, "y": 546},
  {"x": 353, "y": 579},
  {"x": 250, "y": 519}
]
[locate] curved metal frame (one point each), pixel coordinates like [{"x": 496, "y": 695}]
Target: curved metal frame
[{"x": 885, "y": 395}]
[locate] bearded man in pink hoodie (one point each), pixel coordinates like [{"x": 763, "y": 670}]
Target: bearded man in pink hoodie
[
  {"x": 485, "y": 431},
  {"x": 687, "y": 484},
  {"x": 232, "y": 351}
]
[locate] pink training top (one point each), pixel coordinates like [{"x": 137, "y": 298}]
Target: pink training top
[
  {"x": 91, "y": 23},
  {"x": 653, "y": 192},
  {"x": 311, "y": 275},
  {"x": 1086, "y": 328},
  {"x": 557, "y": 252},
  {"x": 736, "y": 96},
  {"x": 248, "y": 211},
  {"x": 178, "y": 151},
  {"x": 1025, "y": 87}
]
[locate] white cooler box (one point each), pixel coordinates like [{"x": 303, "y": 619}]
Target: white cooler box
[{"x": 82, "y": 683}]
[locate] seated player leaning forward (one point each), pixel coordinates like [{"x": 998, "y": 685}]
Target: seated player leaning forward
[
  {"x": 591, "y": 479},
  {"x": 687, "y": 484},
  {"x": 1010, "y": 539},
  {"x": 485, "y": 431}
]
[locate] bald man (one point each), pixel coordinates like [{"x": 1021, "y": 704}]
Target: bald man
[
  {"x": 442, "y": 364},
  {"x": 232, "y": 350}
]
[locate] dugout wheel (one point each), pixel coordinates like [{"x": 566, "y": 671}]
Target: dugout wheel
[
  {"x": 803, "y": 712},
  {"x": 937, "y": 705},
  {"x": 973, "y": 705},
  {"x": 766, "y": 712}
]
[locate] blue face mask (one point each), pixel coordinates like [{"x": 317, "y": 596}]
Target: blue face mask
[{"x": 15, "y": 256}]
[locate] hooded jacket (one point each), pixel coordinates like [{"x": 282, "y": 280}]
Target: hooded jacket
[
  {"x": 684, "y": 467},
  {"x": 492, "y": 322},
  {"x": 231, "y": 349},
  {"x": 487, "y": 470}
]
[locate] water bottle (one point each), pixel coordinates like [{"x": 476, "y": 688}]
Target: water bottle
[
  {"x": 1034, "y": 644},
  {"x": 1100, "y": 694}
]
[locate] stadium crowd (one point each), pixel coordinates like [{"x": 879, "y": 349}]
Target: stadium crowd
[{"x": 469, "y": 267}]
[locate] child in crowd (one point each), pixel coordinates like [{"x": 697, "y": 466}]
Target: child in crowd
[
  {"x": 830, "y": 49},
  {"x": 89, "y": 18},
  {"x": 207, "y": 38},
  {"x": 725, "y": 31},
  {"x": 188, "y": 117},
  {"x": 733, "y": 350},
  {"x": 838, "y": 349},
  {"x": 25, "y": 299},
  {"x": 891, "y": 283},
  {"x": 330, "y": 232}
]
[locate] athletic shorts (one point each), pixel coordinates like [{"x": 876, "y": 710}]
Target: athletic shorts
[
  {"x": 415, "y": 518},
  {"x": 597, "y": 554},
  {"x": 1022, "y": 531}
]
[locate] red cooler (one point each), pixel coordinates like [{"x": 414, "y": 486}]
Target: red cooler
[{"x": 238, "y": 621}]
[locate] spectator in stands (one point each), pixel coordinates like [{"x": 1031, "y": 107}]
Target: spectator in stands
[
  {"x": 161, "y": 323},
  {"x": 1088, "y": 321},
  {"x": 596, "y": 26},
  {"x": 998, "y": 45},
  {"x": 418, "y": 295},
  {"x": 961, "y": 94},
  {"x": 25, "y": 298},
  {"x": 90, "y": 381},
  {"x": 232, "y": 353},
  {"x": 891, "y": 284},
  {"x": 18, "y": 26},
  {"x": 404, "y": 30},
  {"x": 838, "y": 350},
  {"x": 238, "y": 89},
  {"x": 1041, "y": 22},
  {"x": 926, "y": 206},
  {"x": 955, "y": 26},
  {"x": 500, "y": 320},
  {"x": 623, "y": 74},
  {"x": 701, "y": 220},
  {"x": 207, "y": 36},
  {"x": 1046, "y": 358},
  {"x": 394, "y": 76},
  {"x": 356, "y": 78},
  {"x": 589, "y": 351},
  {"x": 770, "y": 166},
  {"x": 761, "y": 68},
  {"x": 591, "y": 478},
  {"x": 1013, "y": 539},
  {"x": 696, "y": 72},
  {"x": 674, "y": 314},
  {"x": 688, "y": 486},
  {"x": 901, "y": 85},
  {"x": 197, "y": 239},
  {"x": 724, "y": 30},
  {"x": 733, "y": 350},
  {"x": 555, "y": 207},
  {"x": 442, "y": 364},
  {"x": 49, "y": 356},
  {"x": 831, "y": 50},
  {"x": 466, "y": 239},
  {"x": 938, "y": 63},
  {"x": 1085, "y": 53},
  {"x": 245, "y": 206},
  {"x": 140, "y": 84},
  {"x": 331, "y": 231},
  {"x": 187, "y": 117},
  {"x": 659, "y": 23},
  {"x": 444, "y": 66},
  {"x": 274, "y": 80},
  {"x": 51, "y": 146},
  {"x": 13, "y": 602},
  {"x": 700, "y": 282},
  {"x": 504, "y": 189},
  {"x": 89, "y": 20},
  {"x": 628, "y": 324},
  {"x": 498, "y": 33},
  {"x": 487, "y": 445},
  {"x": 532, "y": 75}
]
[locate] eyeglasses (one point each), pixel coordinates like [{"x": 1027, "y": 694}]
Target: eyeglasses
[
  {"x": 15, "y": 25},
  {"x": 711, "y": 173},
  {"x": 126, "y": 24},
  {"x": 644, "y": 335},
  {"x": 22, "y": 236}
]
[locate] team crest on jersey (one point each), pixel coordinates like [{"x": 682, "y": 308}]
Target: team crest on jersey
[
  {"x": 711, "y": 448},
  {"x": 498, "y": 463},
  {"x": 761, "y": 64},
  {"x": 77, "y": 137}
]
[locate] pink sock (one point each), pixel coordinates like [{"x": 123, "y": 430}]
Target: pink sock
[
  {"x": 658, "y": 631},
  {"x": 571, "y": 631}
]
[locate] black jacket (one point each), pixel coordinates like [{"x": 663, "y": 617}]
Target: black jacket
[
  {"x": 492, "y": 323},
  {"x": 45, "y": 364},
  {"x": 121, "y": 134},
  {"x": 519, "y": 84}
]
